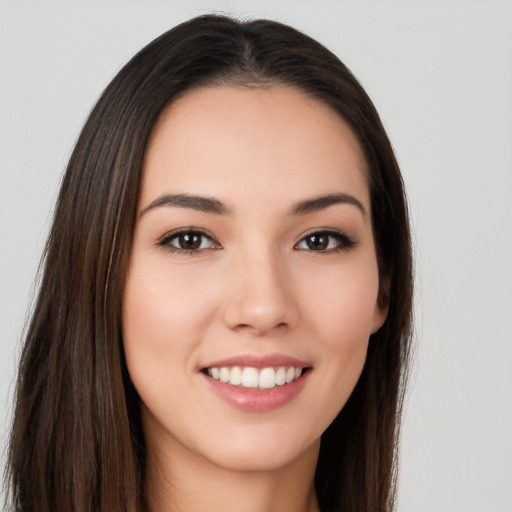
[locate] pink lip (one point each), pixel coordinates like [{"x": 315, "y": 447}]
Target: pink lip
[
  {"x": 257, "y": 400},
  {"x": 256, "y": 361}
]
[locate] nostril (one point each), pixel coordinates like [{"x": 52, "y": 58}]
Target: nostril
[
  {"x": 259, "y": 327},
  {"x": 260, "y": 312}
]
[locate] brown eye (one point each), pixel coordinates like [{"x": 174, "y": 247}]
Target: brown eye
[
  {"x": 318, "y": 242},
  {"x": 187, "y": 241},
  {"x": 326, "y": 241}
]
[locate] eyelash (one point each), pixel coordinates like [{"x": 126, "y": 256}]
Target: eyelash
[
  {"x": 165, "y": 242},
  {"x": 344, "y": 242}
]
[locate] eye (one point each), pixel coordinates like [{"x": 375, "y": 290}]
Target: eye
[
  {"x": 187, "y": 241},
  {"x": 326, "y": 241}
]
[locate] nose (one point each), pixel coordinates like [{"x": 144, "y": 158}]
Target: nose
[{"x": 260, "y": 298}]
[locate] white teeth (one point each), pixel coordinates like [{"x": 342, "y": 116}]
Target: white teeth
[
  {"x": 224, "y": 374},
  {"x": 248, "y": 377},
  {"x": 267, "y": 378},
  {"x": 235, "y": 376},
  {"x": 280, "y": 376}
]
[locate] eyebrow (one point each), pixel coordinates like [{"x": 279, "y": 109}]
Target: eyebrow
[
  {"x": 199, "y": 203},
  {"x": 322, "y": 202},
  {"x": 212, "y": 205}
]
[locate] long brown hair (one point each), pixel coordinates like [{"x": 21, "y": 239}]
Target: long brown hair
[{"x": 77, "y": 442}]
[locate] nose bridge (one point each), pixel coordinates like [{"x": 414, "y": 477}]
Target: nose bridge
[{"x": 260, "y": 297}]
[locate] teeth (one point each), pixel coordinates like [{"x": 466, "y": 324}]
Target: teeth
[
  {"x": 224, "y": 374},
  {"x": 265, "y": 378},
  {"x": 280, "y": 376},
  {"x": 250, "y": 378},
  {"x": 235, "y": 376}
]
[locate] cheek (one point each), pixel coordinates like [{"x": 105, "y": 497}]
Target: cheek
[
  {"x": 156, "y": 329},
  {"x": 342, "y": 314},
  {"x": 161, "y": 312},
  {"x": 167, "y": 309},
  {"x": 343, "y": 302},
  {"x": 346, "y": 326}
]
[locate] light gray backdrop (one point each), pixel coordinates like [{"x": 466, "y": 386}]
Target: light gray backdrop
[{"x": 441, "y": 75}]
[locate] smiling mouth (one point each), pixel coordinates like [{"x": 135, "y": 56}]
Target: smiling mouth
[{"x": 256, "y": 378}]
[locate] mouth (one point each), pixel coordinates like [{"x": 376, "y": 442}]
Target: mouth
[
  {"x": 256, "y": 378},
  {"x": 257, "y": 383}
]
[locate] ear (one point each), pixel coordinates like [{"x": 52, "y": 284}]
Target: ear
[{"x": 381, "y": 307}]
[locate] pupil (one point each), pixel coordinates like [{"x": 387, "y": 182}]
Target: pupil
[
  {"x": 318, "y": 242},
  {"x": 190, "y": 241}
]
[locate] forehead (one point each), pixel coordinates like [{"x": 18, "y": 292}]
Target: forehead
[{"x": 276, "y": 141}]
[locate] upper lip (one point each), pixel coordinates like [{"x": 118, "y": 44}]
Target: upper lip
[{"x": 258, "y": 361}]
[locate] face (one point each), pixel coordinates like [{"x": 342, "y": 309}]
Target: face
[{"x": 253, "y": 283}]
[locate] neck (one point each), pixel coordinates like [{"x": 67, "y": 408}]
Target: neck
[{"x": 193, "y": 484}]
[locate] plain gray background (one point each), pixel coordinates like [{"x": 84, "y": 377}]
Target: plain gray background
[{"x": 440, "y": 74}]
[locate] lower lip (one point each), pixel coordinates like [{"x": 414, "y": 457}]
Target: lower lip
[{"x": 254, "y": 399}]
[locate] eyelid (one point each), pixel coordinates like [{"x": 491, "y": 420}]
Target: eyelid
[
  {"x": 165, "y": 240},
  {"x": 345, "y": 242}
]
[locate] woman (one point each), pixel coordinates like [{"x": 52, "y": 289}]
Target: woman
[{"x": 224, "y": 314}]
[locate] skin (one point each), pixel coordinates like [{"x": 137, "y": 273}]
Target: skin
[{"x": 254, "y": 287}]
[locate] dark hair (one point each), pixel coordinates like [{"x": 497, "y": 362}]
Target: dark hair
[{"x": 77, "y": 442}]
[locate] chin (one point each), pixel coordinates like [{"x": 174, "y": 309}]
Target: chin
[{"x": 269, "y": 456}]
